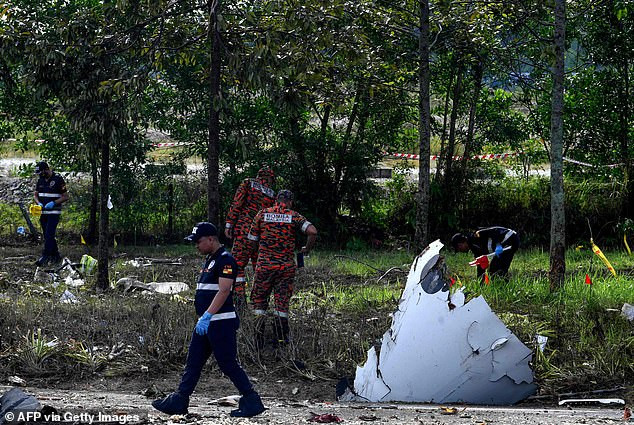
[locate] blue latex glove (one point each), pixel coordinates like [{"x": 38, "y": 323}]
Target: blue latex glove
[
  {"x": 203, "y": 323},
  {"x": 498, "y": 250},
  {"x": 49, "y": 206}
]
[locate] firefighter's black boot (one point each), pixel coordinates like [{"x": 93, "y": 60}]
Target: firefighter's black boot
[
  {"x": 282, "y": 330},
  {"x": 260, "y": 329}
]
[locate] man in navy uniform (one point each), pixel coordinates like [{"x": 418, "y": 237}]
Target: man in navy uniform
[
  {"x": 216, "y": 329},
  {"x": 50, "y": 194},
  {"x": 496, "y": 243}
]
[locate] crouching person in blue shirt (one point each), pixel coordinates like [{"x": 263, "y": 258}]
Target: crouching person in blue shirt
[{"x": 216, "y": 329}]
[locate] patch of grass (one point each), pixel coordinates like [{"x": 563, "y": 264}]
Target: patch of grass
[{"x": 338, "y": 311}]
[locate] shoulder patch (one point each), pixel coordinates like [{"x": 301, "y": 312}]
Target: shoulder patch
[
  {"x": 278, "y": 218},
  {"x": 228, "y": 269}
]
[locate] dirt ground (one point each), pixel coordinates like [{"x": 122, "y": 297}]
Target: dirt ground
[{"x": 283, "y": 409}]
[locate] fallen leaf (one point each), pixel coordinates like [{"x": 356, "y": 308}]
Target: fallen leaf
[{"x": 448, "y": 410}]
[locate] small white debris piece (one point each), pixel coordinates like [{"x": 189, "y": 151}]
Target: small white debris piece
[
  {"x": 586, "y": 401},
  {"x": 441, "y": 350},
  {"x": 16, "y": 380},
  {"x": 170, "y": 288},
  {"x": 68, "y": 298},
  {"x": 109, "y": 204},
  {"x": 75, "y": 283},
  {"x": 628, "y": 311},
  {"x": 231, "y": 401},
  {"x": 541, "y": 342}
]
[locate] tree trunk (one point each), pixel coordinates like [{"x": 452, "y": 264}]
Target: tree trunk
[
  {"x": 443, "y": 136},
  {"x": 170, "y": 208},
  {"x": 557, "y": 212},
  {"x": 341, "y": 157},
  {"x": 468, "y": 144},
  {"x": 91, "y": 234},
  {"x": 624, "y": 117},
  {"x": 451, "y": 142},
  {"x": 103, "y": 282},
  {"x": 213, "y": 148},
  {"x": 424, "y": 130}
]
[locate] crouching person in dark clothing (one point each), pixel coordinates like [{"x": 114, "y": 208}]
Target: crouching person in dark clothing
[
  {"x": 216, "y": 329},
  {"x": 493, "y": 248}
]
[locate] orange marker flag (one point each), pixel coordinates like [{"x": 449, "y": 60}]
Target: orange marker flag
[
  {"x": 453, "y": 281},
  {"x": 588, "y": 280},
  {"x": 486, "y": 278},
  {"x": 83, "y": 241}
]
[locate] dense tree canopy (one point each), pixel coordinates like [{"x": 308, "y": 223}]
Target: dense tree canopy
[{"x": 320, "y": 90}]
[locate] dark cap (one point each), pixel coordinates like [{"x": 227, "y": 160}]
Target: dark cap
[
  {"x": 457, "y": 238},
  {"x": 200, "y": 230},
  {"x": 41, "y": 166},
  {"x": 284, "y": 195}
]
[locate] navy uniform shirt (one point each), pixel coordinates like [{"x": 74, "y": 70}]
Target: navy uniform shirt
[
  {"x": 216, "y": 265},
  {"x": 50, "y": 190},
  {"x": 484, "y": 241}
]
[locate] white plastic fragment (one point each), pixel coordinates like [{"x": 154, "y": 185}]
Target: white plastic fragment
[
  {"x": 75, "y": 283},
  {"x": 541, "y": 342},
  {"x": 68, "y": 298},
  {"x": 170, "y": 288},
  {"x": 16, "y": 380},
  {"x": 441, "y": 350},
  {"x": 628, "y": 311},
  {"x": 586, "y": 401}
]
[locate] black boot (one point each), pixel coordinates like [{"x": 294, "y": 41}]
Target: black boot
[
  {"x": 173, "y": 404},
  {"x": 260, "y": 327},
  {"x": 55, "y": 259},
  {"x": 282, "y": 330},
  {"x": 249, "y": 405}
]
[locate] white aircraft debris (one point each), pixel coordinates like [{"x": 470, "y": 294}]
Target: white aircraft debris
[{"x": 441, "y": 350}]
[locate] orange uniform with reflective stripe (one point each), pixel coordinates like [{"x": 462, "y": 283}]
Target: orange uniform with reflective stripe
[
  {"x": 251, "y": 197},
  {"x": 275, "y": 229}
]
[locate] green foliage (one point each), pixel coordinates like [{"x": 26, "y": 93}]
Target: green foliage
[
  {"x": 391, "y": 207},
  {"x": 11, "y": 218}
]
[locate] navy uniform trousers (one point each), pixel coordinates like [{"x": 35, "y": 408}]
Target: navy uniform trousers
[
  {"x": 49, "y": 228},
  {"x": 221, "y": 341}
]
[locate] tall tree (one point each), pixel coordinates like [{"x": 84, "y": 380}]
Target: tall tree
[
  {"x": 424, "y": 129},
  {"x": 213, "y": 148},
  {"x": 557, "y": 212}
]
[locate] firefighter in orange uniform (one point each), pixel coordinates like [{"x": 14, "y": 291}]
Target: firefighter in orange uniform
[
  {"x": 252, "y": 196},
  {"x": 275, "y": 230}
]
